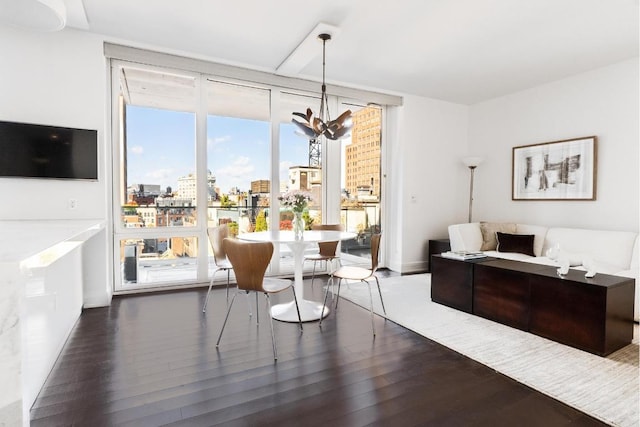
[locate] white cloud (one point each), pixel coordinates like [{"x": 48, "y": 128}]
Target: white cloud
[
  {"x": 241, "y": 166},
  {"x": 218, "y": 140},
  {"x": 136, "y": 149},
  {"x": 160, "y": 174}
]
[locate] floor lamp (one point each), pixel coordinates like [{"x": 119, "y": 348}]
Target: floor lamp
[{"x": 472, "y": 163}]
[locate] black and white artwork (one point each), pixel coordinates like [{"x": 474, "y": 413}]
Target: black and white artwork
[{"x": 558, "y": 170}]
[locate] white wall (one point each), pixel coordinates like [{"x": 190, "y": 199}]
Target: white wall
[
  {"x": 427, "y": 178},
  {"x": 602, "y": 102},
  {"x": 59, "y": 79},
  {"x": 54, "y": 79}
]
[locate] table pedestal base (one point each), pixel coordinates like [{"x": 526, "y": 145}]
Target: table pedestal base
[{"x": 309, "y": 311}]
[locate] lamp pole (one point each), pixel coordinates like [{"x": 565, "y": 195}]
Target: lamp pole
[
  {"x": 472, "y": 169},
  {"x": 472, "y": 163}
]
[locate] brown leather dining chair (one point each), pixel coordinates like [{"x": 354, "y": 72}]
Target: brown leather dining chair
[
  {"x": 250, "y": 261},
  {"x": 362, "y": 274},
  {"x": 327, "y": 250},
  {"x": 221, "y": 262}
]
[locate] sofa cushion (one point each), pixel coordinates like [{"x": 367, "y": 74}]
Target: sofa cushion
[
  {"x": 575, "y": 259},
  {"x": 611, "y": 248},
  {"x": 604, "y": 267},
  {"x": 489, "y": 230},
  {"x": 633, "y": 274},
  {"x": 465, "y": 237},
  {"x": 515, "y": 256},
  {"x": 543, "y": 260},
  {"x": 537, "y": 230},
  {"x": 520, "y": 243}
]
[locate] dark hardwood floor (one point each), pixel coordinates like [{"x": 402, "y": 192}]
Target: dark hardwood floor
[{"x": 151, "y": 360}]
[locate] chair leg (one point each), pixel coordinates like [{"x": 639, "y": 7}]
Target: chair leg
[
  {"x": 228, "y": 272},
  {"x": 257, "y": 317},
  {"x": 373, "y": 327},
  {"x": 295, "y": 299},
  {"x": 333, "y": 264},
  {"x": 313, "y": 273},
  {"x": 380, "y": 292},
  {"x": 206, "y": 300},
  {"x": 273, "y": 338},
  {"x": 338, "y": 294},
  {"x": 333, "y": 287},
  {"x": 249, "y": 304},
  {"x": 324, "y": 304},
  {"x": 226, "y": 318}
]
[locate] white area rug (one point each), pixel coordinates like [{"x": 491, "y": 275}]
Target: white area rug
[{"x": 606, "y": 388}]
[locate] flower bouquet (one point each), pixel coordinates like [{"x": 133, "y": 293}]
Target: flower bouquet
[{"x": 298, "y": 201}]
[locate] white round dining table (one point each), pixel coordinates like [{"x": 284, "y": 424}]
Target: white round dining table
[{"x": 309, "y": 310}]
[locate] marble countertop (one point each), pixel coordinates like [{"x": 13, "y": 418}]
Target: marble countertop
[{"x": 23, "y": 239}]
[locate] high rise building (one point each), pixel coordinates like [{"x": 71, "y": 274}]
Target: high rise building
[
  {"x": 187, "y": 187},
  {"x": 362, "y": 156}
]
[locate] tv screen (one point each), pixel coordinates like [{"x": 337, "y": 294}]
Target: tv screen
[{"x": 38, "y": 151}]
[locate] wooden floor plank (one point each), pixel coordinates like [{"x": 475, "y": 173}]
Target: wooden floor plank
[{"x": 151, "y": 360}]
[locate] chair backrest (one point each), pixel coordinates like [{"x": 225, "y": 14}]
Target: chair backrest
[
  {"x": 375, "y": 248},
  {"x": 250, "y": 261},
  {"x": 328, "y": 248},
  {"x": 216, "y": 237}
]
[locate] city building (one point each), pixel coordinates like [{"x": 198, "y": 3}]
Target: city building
[
  {"x": 174, "y": 212},
  {"x": 149, "y": 215},
  {"x": 187, "y": 187},
  {"x": 261, "y": 186},
  {"x": 362, "y": 155},
  {"x": 143, "y": 194},
  {"x": 304, "y": 177}
]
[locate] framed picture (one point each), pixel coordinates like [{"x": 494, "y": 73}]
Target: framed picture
[{"x": 558, "y": 170}]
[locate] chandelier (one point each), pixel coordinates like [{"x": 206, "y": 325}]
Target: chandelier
[{"x": 322, "y": 125}]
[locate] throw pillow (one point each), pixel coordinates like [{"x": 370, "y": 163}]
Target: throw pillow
[
  {"x": 520, "y": 243},
  {"x": 489, "y": 230}
]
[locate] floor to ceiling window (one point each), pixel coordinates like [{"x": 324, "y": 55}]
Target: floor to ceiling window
[
  {"x": 238, "y": 153},
  {"x": 193, "y": 151},
  {"x": 155, "y": 210},
  {"x": 301, "y": 161},
  {"x": 362, "y": 178}
]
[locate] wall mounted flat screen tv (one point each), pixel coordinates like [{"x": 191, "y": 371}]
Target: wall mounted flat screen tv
[{"x": 39, "y": 151}]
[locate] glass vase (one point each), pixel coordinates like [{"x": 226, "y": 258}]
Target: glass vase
[{"x": 298, "y": 225}]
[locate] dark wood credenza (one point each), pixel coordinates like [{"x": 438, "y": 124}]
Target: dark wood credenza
[
  {"x": 436, "y": 247},
  {"x": 452, "y": 282},
  {"x": 592, "y": 314}
]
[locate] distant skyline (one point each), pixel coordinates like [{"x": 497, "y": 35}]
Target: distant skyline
[{"x": 161, "y": 148}]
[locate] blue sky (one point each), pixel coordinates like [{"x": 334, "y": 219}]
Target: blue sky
[{"x": 161, "y": 148}]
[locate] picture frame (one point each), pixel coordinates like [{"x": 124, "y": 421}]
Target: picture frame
[{"x": 556, "y": 170}]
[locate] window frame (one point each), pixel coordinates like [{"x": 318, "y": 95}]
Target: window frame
[{"x": 331, "y": 157}]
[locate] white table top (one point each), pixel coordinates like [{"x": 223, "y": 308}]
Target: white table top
[{"x": 283, "y": 236}]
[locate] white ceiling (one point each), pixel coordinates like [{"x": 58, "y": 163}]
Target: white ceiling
[{"x": 463, "y": 51}]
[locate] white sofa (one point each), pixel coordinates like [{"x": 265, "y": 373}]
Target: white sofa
[{"x": 609, "y": 252}]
